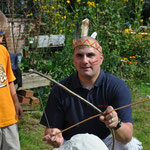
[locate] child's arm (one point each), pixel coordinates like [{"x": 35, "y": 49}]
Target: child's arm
[{"x": 18, "y": 108}]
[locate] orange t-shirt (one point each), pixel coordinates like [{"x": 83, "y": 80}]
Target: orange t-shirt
[{"x": 8, "y": 114}]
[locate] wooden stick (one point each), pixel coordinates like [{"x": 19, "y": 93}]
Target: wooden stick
[
  {"x": 139, "y": 102},
  {"x": 97, "y": 115},
  {"x": 68, "y": 90},
  {"x": 78, "y": 124}
]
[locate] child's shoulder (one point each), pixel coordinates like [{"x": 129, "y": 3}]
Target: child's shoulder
[{"x": 3, "y": 48}]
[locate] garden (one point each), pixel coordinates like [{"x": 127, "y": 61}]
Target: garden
[{"x": 124, "y": 35}]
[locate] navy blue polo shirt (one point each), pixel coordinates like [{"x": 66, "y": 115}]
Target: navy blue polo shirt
[{"x": 63, "y": 109}]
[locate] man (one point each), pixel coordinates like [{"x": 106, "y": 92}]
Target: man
[
  {"x": 10, "y": 109},
  {"x": 101, "y": 89}
]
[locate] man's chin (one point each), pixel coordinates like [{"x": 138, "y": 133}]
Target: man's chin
[{"x": 87, "y": 74}]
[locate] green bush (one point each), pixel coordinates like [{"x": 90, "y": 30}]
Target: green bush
[{"x": 125, "y": 48}]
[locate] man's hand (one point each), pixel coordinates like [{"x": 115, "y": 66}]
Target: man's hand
[
  {"x": 55, "y": 141},
  {"x": 110, "y": 118}
]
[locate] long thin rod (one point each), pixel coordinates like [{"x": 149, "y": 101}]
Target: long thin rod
[
  {"x": 97, "y": 115},
  {"x": 139, "y": 102},
  {"x": 59, "y": 84}
]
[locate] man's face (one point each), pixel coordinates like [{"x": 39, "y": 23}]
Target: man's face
[{"x": 87, "y": 61}]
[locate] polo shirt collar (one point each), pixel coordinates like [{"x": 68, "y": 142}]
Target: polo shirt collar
[
  {"x": 76, "y": 82},
  {"x": 100, "y": 79}
]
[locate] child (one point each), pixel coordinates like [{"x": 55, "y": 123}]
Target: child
[{"x": 10, "y": 109}]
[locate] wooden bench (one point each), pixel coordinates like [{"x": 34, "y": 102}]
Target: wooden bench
[{"x": 30, "y": 81}]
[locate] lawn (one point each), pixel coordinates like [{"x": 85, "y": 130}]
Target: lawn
[
  {"x": 31, "y": 132},
  {"x": 141, "y": 115}
]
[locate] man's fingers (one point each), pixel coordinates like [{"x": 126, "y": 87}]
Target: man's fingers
[
  {"x": 109, "y": 110},
  {"x": 46, "y": 138},
  {"x": 102, "y": 118},
  {"x": 110, "y": 117}
]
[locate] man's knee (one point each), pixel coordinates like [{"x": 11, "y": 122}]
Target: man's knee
[{"x": 134, "y": 144}]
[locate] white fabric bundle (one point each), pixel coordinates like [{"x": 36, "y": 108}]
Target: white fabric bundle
[{"x": 83, "y": 142}]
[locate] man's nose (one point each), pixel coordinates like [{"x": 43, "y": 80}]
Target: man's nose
[{"x": 85, "y": 59}]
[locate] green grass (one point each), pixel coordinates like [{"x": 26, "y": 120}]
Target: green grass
[
  {"x": 141, "y": 115},
  {"x": 31, "y": 132}
]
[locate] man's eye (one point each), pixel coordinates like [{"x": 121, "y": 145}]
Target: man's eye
[
  {"x": 90, "y": 55},
  {"x": 79, "y": 55}
]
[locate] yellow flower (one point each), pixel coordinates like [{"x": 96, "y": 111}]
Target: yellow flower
[
  {"x": 78, "y": 0},
  {"x": 91, "y": 4},
  {"x": 47, "y": 11},
  {"x": 60, "y": 31},
  {"x": 68, "y": 1},
  {"x": 56, "y": 22},
  {"x": 28, "y": 15},
  {"x": 126, "y": 30},
  {"x": 102, "y": 12},
  {"x": 63, "y": 17},
  {"x": 57, "y": 14},
  {"x": 43, "y": 7},
  {"x": 141, "y": 20},
  {"x": 52, "y": 7},
  {"x": 142, "y": 0},
  {"x": 125, "y": 0},
  {"x": 70, "y": 31},
  {"x": 72, "y": 25}
]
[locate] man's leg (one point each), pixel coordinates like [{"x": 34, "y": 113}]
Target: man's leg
[
  {"x": 10, "y": 138},
  {"x": 134, "y": 144}
]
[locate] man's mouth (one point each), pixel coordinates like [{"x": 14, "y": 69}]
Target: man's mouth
[{"x": 85, "y": 68}]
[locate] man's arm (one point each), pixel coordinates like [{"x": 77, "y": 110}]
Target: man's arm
[
  {"x": 15, "y": 99},
  {"x": 125, "y": 132},
  {"x": 55, "y": 141}
]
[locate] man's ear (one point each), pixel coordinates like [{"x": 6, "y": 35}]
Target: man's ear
[{"x": 101, "y": 58}]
